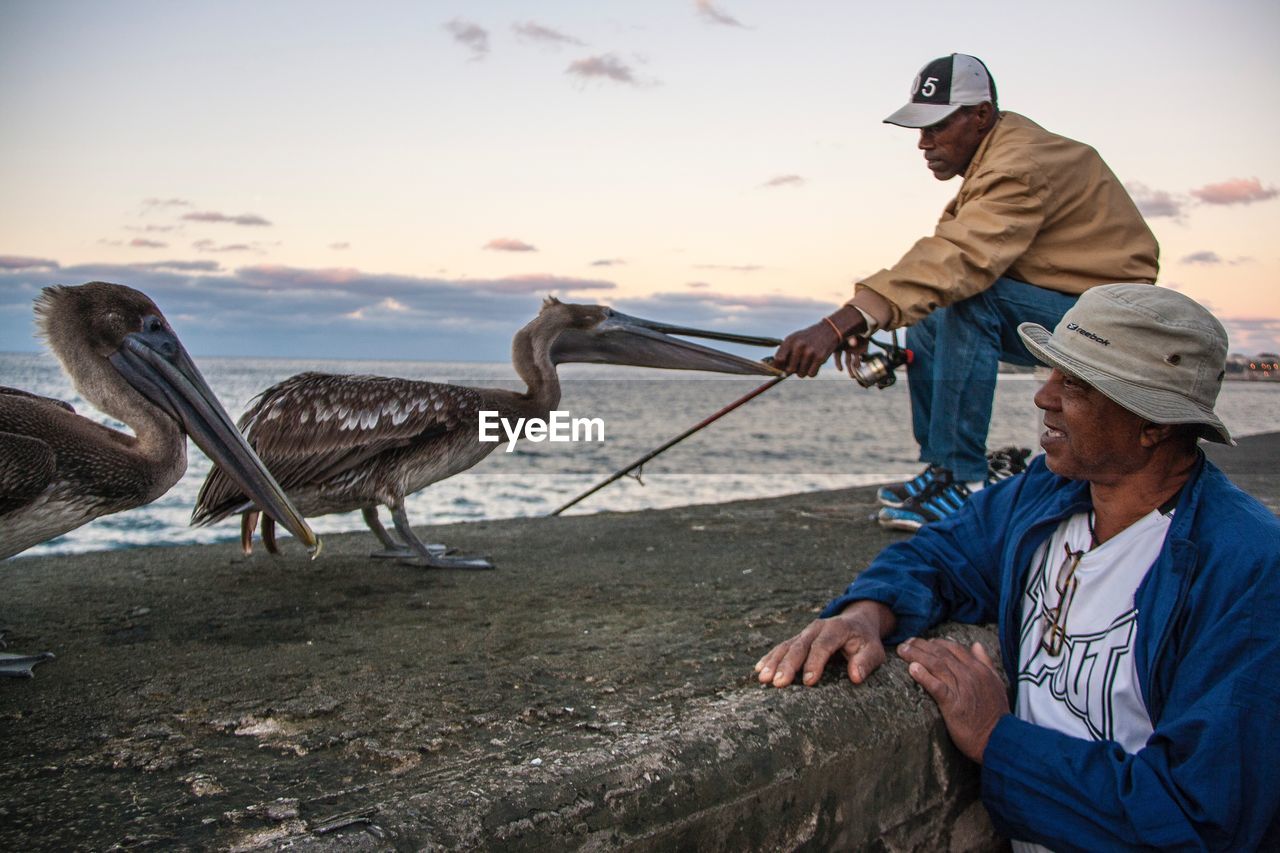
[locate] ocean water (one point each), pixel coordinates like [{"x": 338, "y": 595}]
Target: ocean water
[{"x": 801, "y": 435}]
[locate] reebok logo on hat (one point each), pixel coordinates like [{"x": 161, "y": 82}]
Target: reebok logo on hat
[
  {"x": 944, "y": 86},
  {"x": 1075, "y": 327}
]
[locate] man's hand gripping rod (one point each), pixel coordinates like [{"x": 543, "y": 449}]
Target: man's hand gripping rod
[{"x": 877, "y": 370}]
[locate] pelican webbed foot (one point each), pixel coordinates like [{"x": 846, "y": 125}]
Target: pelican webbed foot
[
  {"x": 427, "y": 555},
  {"x": 391, "y": 549}
]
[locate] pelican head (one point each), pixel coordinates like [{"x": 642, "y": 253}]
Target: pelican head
[
  {"x": 599, "y": 334},
  {"x": 102, "y": 328}
]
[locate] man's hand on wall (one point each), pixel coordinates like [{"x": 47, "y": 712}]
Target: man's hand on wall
[
  {"x": 966, "y": 685},
  {"x": 856, "y": 631}
]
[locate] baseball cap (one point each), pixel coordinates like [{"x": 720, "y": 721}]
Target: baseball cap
[
  {"x": 943, "y": 86},
  {"x": 1155, "y": 352}
]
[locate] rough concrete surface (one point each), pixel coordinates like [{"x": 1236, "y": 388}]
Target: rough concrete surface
[{"x": 594, "y": 692}]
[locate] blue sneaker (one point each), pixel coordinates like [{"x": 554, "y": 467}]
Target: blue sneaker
[
  {"x": 934, "y": 504},
  {"x": 899, "y": 493}
]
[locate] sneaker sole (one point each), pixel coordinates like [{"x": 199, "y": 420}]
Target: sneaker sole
[{"x": 892, "y": 523}]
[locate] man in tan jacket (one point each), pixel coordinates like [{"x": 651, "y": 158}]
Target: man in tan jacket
[{"x": 1038, "y": 220}]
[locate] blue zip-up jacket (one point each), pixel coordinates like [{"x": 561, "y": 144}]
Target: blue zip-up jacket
[{"x": 1208, "y": 663}]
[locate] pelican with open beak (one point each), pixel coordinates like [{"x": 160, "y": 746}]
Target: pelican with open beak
[{"x": 339, "y": 443}]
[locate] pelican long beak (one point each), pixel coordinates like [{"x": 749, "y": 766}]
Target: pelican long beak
[
  {"x": 156, "y": 363},
  {"x": 623, "y": 339}
]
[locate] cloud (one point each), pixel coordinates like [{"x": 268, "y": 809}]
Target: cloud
[
  {"x": 784, "y": 181},
  {"x": 211, "y": 246},
  {"x": 19, "y": 262},
  {"x": 711, "y": 14},
  {"x": 346, "y": 313},
  {"x": 606, "y": 65},
  {"x": 385, "y": 307},
  {"x": 151, "y": 229},
  {"x": 165, "y": 202},
  {"x": 536, "y": 32},
  {"x": 184, "y": 266},
  {"x": 543, "y": 282},
  {"x": 1253, "y": 335},
  {"x": 729, "y": 267},
  {"x": 274, "y": 310},
  {"x": 214, "y": 216},
  {"x": 1154, "y": 203},
  {"x": 608, "y": 262},
  {"x": 471, "y": 36},
  {"x": 1235, "y": 191},
  {"x": 508, "y": 244},
  {"x": 697, "y": 285},
  {"x": 339, "y": 246},
  {"x": 769, "y": 315},
  {"x": 1207, "y": 257},
  {"x": 143, "y": 243}
]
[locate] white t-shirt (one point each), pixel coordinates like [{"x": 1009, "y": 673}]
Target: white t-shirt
[{"x": 1090, "y": 688}]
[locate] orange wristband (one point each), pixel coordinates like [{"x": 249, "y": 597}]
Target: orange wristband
[{"x": 839, "y": 337}]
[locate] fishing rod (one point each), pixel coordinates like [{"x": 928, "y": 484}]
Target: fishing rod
[
  {"x": 878, "y": 369},
  {"x": 679, "y": 438}
]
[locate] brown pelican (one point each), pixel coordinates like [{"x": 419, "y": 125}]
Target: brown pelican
[
  {"x": 59, "y": 470},
  {"x": 340, "y": 443}
]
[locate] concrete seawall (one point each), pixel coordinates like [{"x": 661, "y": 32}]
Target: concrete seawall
[{"x": 592, "y": 693}]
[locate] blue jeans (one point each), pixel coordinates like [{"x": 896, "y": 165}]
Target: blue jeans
[{"x": 952, "y": 378}]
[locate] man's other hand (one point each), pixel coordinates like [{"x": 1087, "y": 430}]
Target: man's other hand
[
  {"x": 856, "y": 631},
  {"x": 966, "y": 685}
]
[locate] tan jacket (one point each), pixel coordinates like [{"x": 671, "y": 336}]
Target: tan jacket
[{"x": 1034, "y": 206}]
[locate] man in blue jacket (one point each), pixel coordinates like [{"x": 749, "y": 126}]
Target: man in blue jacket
[{"x": 1136, "y": 591}]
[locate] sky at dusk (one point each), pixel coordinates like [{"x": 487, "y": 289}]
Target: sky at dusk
[{"x": 409, "y": 179}]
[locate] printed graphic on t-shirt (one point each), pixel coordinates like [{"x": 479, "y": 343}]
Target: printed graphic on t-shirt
[
  {"x": 1083, "y": 676},
  {"x": 1090, "y": 687}
]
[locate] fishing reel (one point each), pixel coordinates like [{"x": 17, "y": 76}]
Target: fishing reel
[{"x": 878, "y": 369}]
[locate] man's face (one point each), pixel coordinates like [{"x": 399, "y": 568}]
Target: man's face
[
  {"x": 1087, "y": 436},
  {"x": 950, "y": 144}
]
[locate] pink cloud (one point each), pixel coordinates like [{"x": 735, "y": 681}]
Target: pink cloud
[
  {"x": 539, "y": 282},
  {"x": 730, "y": 267},
  {"x": 214, "y": 216},
  {"x": 537, "y": 32},
  {"x": 710, "y": 13},
  {"x": 276, "y": 276},
  {"x": 165, "y": 202},
  {"x": 1235, "y": 191},
  {"x": 507, "y": 244},
  {"x": 471, "y": 36},
  {"x": 784, "y": 181},
  {"x": 1153, "y": 203},
  {"x": 20, "y": 262},
  {"x": 210, "y": 246},
  {"x": 607, "y": 66}
]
